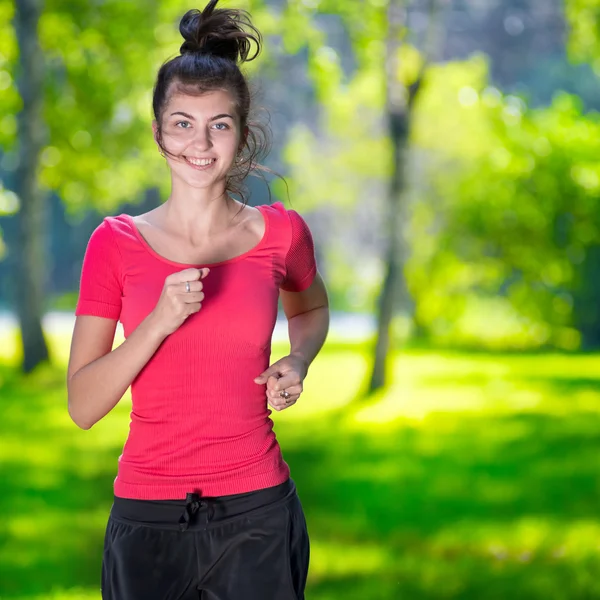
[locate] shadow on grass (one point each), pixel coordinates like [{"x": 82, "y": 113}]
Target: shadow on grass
[
  {"x": 456, "y": 508},
  {"x": 469, "y": 505},
  {"x": 53, "y": 503},
  {"x": 465, "y": 505}
]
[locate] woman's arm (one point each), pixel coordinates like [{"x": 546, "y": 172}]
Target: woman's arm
[
  {"x": 308, "y": 322},
  {"x": 308, "y": 319},
  {"x": 98, "y": 377}
]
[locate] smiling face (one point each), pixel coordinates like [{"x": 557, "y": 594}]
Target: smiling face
[{"x": 202, "y": 133}]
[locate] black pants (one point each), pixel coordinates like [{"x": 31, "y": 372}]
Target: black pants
[{"x": 251, "y": 546}]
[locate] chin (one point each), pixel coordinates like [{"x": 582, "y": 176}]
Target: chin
[{"x": 201, "y": 180}]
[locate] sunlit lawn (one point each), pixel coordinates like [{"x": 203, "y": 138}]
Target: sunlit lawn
[{"x": 474, "y": 476}]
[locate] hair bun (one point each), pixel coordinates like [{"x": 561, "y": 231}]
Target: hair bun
[{"x": 223, "y": 32}]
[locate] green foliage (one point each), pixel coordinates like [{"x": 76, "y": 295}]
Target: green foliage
[
  {"x": 584, "y": 40},
  {"x": 96, "y": 106},
  {"x": 470, "y": 478},
  {"x": 101, "y": 63},
  {"x": 10, "y": 101},
  {"x": 512, "y": 208},
  {"x": 502, "y": 212},
  {"x": 366, "y": 24}
]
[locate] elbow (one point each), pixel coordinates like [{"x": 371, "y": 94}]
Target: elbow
[
  {"x": 320, "y": 309},
  {"x": 81, "y": 423},
  {"x": 77, "y": 418}
]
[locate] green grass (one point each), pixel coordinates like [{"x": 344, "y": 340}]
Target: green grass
[{"x": 473, "y": 477}]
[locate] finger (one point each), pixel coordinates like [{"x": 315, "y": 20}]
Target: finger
[
  {"x": 272, "y": 381},
  {"x": 192, "y": 297},
  {"x": 294, "y": 390},
  {"x": 195, "y": 286},
  {"x": 191, "y": 274},
  {"x": 286, "y": 381},
  {"x": 278, "y": 406},
  {"x": 192, "y": 308},
  {"x": 181, "y": 288},
  {"x": 264, "y": 376},
  {"x": 279, "y": 401},
  {"x": 276, "y": 399}
]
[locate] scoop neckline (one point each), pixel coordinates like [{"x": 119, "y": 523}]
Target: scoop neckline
[{"x": 155, "y": 254}]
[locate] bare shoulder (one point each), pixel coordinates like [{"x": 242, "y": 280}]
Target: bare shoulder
[
  {"x": 251, "y": 219},
  {"x": 147, "y": 218}
]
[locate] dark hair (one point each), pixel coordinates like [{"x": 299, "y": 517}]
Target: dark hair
[{"x": 215, "y": 42}]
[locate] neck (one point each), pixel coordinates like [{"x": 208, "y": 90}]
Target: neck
[{"x": 198, "y": 212}]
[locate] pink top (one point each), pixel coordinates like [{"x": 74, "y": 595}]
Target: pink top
[{"x": 199, "y": 423}]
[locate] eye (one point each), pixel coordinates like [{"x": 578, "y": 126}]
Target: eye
[
  {"x": 183, "y": 124},
  {"x": 221, "y": 126}
]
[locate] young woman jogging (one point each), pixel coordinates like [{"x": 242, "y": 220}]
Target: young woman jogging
[{"x": 204, "y": 506}]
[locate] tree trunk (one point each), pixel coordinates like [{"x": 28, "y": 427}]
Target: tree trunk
[
  {"x": 586, "y": 300},
  {"x": 394, "y": 264},
  {"x": 400, "y": 101},
  {"x": 30, "y": 276},
  {"x": 398, "y": 117}
]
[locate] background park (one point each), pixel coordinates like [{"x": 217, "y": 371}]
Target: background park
[{"x": 446, "y": 156}]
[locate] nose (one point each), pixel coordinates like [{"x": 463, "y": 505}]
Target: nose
[{"x": 202, "y": 140}]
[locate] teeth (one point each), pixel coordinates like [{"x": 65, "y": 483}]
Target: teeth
[{"x": 201, "y": 162}]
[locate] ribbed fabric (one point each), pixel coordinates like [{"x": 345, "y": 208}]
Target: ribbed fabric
[
  {"x": 199, "y": 423},
  {"x": 300, "y": 261}
]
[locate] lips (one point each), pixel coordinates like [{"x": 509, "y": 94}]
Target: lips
[{"x": 200, "y": 163}]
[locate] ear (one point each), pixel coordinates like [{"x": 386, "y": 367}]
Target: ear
[{"x": 155, "y": 131}]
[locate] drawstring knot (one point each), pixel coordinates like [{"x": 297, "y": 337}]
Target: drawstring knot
[{"x": 193, "y": 503}]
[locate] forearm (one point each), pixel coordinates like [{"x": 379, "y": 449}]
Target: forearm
[
  {"x": 307, "y": 332},
  {"x": 94, "y": 390}
]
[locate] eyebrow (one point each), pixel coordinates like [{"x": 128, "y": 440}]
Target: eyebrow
[{"x": 187, "y": 116}]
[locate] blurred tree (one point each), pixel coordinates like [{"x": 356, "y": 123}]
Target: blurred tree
[
  {"x": 583, "y": 17},
  {"x": 513, "y": 206},
  {"x": 84, "y": 111},
  {"x": 30, "y": 272},
  {"x": 402, "y": 88},
  {"x": 511, "y": 215},
  {"x": 383, "y": 87},
  {"x": 85, "y": 74},
  {"x": 501, "y": 224}
]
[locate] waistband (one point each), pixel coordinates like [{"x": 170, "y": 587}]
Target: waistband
[{"x": 199, "y": 511}]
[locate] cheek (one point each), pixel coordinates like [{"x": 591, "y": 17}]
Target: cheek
[
  {"x": 228, "y": 145},
  {"x": 174, "y": 142}
]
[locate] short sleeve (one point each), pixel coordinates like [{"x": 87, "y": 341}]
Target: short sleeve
[
  {"x": 300, "y": 262},
  {"x": 100, "y": 287}
]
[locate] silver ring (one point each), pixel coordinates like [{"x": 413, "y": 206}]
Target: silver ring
[
  {"x": 187, "y": 286},
  {"x": 284, "y": 394}
]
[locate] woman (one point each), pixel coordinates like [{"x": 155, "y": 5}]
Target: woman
[{"x": 204, "y": 506}]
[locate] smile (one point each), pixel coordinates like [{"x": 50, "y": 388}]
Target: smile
[{"x": 200, "y": 163}]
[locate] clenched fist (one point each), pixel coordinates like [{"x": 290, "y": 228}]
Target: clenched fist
[{"x": 176, "y": 303}]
